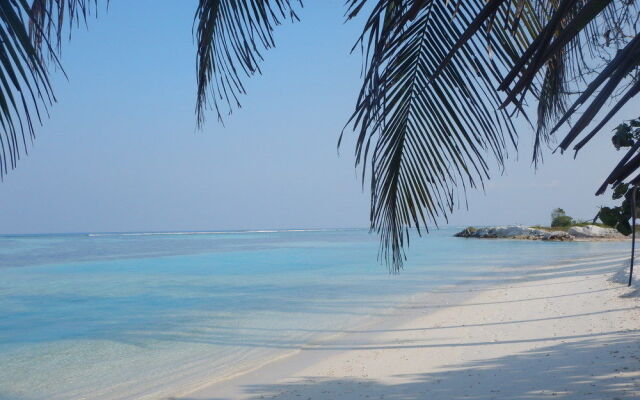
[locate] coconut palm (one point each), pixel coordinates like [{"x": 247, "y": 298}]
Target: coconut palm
[{"x": 442, "y": 84}]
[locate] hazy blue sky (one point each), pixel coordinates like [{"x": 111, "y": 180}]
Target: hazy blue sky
[{"x": 121, "y": 153}]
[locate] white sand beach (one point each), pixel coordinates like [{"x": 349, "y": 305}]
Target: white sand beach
[{"x": 562, "y": 331}]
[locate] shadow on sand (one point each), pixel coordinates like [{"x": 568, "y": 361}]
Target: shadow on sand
[
  {"x": 591, "y": 366},
  {"x": 554, "y": 372}
]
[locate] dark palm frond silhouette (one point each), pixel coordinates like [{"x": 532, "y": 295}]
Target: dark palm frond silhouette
[
  {"x": 231, "y": 36},
  {"x": 442, "y": 84},
  {"x": 426, "y": 131},
  {"x": 30, "y": 43},
  {"x": 25, "y": 89}
]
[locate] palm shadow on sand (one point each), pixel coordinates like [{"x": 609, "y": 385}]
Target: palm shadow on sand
[{"x": 597, "y": 368}]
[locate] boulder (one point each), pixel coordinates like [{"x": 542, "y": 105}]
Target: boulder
[
  {"x": 560, "y": 236},
  {"x": 593, "y": 231}
]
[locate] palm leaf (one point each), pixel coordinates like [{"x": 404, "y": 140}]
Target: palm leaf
[
  {"x": 428, "y": 114},
  {"x": 231, "y": 36},
  {"x": 48, "y": 18},
  {"x": 558, "y": 48},
  {"x": 27, "y": 32},
  {"x": 427, "y": 129},
  {"x": 25, "y": 89}
]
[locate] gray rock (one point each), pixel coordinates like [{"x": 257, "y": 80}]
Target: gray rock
[
  {"x": 588, "y": 232},
  {"x": 513, "y": 232},
  {"x": 593, "y": 231}
]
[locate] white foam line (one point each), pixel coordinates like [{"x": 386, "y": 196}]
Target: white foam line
[{"x": 209, "y": 233}]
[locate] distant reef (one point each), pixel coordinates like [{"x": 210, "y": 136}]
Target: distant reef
[{"x": 577, "y": 233}]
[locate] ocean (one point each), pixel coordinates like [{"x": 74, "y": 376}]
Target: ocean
[{"x": 150, "y": 315}]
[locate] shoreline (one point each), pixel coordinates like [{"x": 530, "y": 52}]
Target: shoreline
[
  {"x": 387, "y": 318},
  {"x": 360, "y": 362},
  {"x": 151, "y": 326}
]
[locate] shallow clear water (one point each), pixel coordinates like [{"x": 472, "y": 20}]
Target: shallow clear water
[{"x": 146, "y": 316}]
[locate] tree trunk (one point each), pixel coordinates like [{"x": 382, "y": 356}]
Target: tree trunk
[{"x": 633, "y": 233}]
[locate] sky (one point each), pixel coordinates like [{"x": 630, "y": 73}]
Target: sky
[{"x": 121, "y": 152}]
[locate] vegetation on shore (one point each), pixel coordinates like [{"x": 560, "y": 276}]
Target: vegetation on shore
[
  {"x": 610, "y": 217},
  {"x": 560, "y": 221}
]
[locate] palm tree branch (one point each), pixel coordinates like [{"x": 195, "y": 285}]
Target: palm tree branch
[
  {"x": 432, "y": 131},
  {"x": 231, "y": 36}
]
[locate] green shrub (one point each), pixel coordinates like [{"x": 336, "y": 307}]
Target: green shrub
[{"x": 561, "y": 220}]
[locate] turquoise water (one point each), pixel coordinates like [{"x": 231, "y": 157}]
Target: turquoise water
[{"x": 149, "y": 315}]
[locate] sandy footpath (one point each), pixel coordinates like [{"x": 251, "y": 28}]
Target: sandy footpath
[{"x": 553, "y": 332}]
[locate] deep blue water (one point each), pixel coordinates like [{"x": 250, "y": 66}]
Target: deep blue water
[{"x": 147, "y": 315}]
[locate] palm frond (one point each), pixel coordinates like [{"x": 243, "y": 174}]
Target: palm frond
[
  {"x": 48, "y": 18},
  {"x": 610, "y": 30},
  {"x": 25, "y": 89},
  {"x": 427, "y": 116},
  {"x": 558, "y": 48},
  {"x": 231, "y": 36},
  {"x": 26, "y": 34}
]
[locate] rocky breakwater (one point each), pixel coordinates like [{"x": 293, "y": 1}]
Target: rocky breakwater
[
  {"x": 580, "y": 233},
  {"x": 513, "y": 232}
]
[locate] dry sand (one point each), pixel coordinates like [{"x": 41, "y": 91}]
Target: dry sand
[{"x": 552, "y": 332}]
